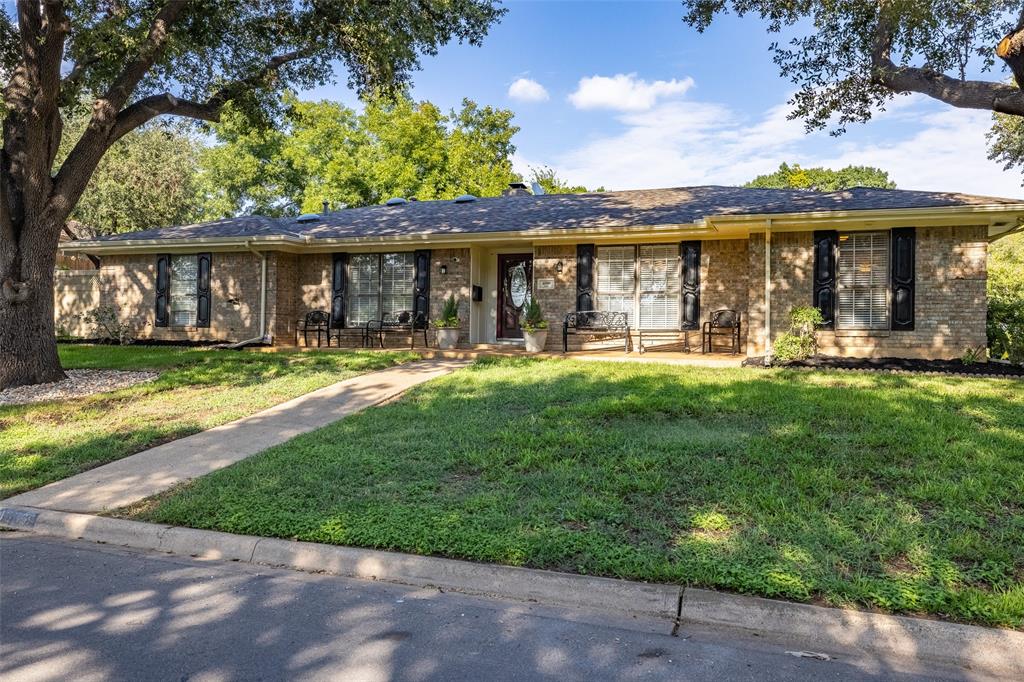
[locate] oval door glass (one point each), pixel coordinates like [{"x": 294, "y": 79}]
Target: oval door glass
[{"x": 518, "y": 287}]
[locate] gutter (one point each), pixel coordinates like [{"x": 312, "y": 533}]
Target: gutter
[{"x": 264, "y": 337}]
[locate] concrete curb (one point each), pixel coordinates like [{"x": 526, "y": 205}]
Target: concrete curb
[{"x": 981, "y": 650}]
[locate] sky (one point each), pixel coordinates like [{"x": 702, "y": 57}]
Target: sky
[{"x": 625, "y": 95}]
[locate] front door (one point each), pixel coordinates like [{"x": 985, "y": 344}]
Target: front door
[{"x": 515, "y": 283}]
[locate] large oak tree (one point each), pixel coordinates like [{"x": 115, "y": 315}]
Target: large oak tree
[
  {"x": 136, "y": 60},
  {"x": 850, "y": 57}
]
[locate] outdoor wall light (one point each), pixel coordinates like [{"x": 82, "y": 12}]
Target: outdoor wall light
[
  {"x": 444, "y": 269},
  {"x": 558, "y": 267}
]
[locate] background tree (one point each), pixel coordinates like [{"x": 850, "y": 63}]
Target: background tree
[
  {"x": 1006, "y": 141},
  {"x": 857, "y": 54},
  {"x": 138, "y": 60},
  {"x": 547, "y": 178},
  {"x": 326, "y": 151},
  {"x": 146, "y": 179},
  {"x": 823, "y": 179},
  {"x": 1006, "y": 298}
]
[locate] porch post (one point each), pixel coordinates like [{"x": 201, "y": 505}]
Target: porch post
[{"x": 768, "y": 291}]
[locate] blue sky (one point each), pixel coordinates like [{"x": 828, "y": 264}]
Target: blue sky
[{"x": 625, "y": 95}]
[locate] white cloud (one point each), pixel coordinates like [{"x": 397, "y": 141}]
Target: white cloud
[
  {"x": 527, "y": 90},
  {"x": 625, "y": 92},
  {"x": 697, "y": 143}
]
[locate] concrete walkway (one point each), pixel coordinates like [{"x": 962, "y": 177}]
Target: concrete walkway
[{"x": 155, "y": 470}]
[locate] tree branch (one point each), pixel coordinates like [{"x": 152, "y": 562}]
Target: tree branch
[
  {"x": 148, "y": 108},
  {"x": 1011, "y": 50}
]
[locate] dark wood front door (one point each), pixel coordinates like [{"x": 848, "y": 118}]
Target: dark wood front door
[{"x": 515, "y": 287}]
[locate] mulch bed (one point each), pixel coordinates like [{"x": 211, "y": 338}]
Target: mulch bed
[
  {"x": 955, "y": 367},
  {"x": 80, "y": 382}
]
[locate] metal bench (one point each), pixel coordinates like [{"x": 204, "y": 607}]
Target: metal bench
[
  {"x": 315, "y": 322},
  {"x": 398, "y": 322},
  {"x": 722, "y": 323},
  {"x": 595, "y": 322}
]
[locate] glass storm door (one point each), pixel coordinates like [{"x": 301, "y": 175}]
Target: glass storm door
[{"x": 515, "y": 279}]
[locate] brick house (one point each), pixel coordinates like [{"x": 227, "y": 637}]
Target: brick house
[{"x": 896, "y": 273}]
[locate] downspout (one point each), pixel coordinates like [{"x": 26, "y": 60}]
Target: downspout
[
  {"x": 263, "y": 337},
  {"x": 768, "y": 291}
]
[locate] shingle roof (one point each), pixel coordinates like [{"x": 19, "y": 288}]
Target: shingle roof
[{"x": 633, "y": 208}]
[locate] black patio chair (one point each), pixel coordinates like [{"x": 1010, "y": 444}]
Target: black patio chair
[
  {"x": 722, "y": 323},
  {"x": 317, "y": 322}
]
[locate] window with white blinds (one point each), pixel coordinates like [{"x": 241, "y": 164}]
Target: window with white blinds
[
  {"x": 659, "y": 286},
  {"x": 862, "y": 289},
  {"x": 616, "y": 279},
  {"x": 184, "y": 297},
  {"x": 396, "y": 290},
  {"x": 642, "y": 282},
  {"x": 363, "y": 288}
]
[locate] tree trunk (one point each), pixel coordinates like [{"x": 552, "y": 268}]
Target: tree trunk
[{"x": 28, "y": 344}]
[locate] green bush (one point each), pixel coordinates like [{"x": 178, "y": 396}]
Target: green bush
[
  {"x": 449, "y": 314},
  {"x": 799, "y": 343},
  {"x": 534, "y": 320},
  {"x": 1006, "y": 299}
]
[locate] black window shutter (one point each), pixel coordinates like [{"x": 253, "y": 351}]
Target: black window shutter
[
  {"x": 163, "y": 286},
  {"x": 204, "y": 261},
  {"x": 584, "y": 277},
  {"x": 689, "y": 311},
  {"x": 903, "y": 244},
  {"x": 824, "y": 290},
  {"x": 339, "y": 289},
  {"x": 421, "y": 284}
]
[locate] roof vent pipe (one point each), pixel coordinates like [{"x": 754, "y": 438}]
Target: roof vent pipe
[{"x": 327, "y": 206}]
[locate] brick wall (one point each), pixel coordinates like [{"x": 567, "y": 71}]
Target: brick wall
[
  {"x": 129, "y": 282},
  {"x": 950, "y": 299},
  {"x": 76, "y": 292},
  {"x": 455, "y": 282}
]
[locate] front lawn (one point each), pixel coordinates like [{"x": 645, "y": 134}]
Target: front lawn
[
  {"x": 198, "y": 389},
  {"x": 902, "y": 493}
]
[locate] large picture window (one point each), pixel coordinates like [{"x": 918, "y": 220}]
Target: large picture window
[
  {"x": 641, "y": 281},
  {"x": 862, "y": 290},
  {"x": 379, "y": 283},
  {"x": 183, "y": 291}
]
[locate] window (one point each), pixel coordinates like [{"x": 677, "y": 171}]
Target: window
[
  {"x": 183, "y": 293},
  {"x": 379, "y": 284},
  {"x": 862, "y": 289},
  {"x": 642, "y": 282},
  {"x": 616, "y": 279},
  {"x": 659, "y": 286}
]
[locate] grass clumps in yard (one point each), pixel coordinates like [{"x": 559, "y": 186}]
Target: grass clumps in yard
[
  {"x": 895, "y": 492},
  {"x": 198, "y": 389}
]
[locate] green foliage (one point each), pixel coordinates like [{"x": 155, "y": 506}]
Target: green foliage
[
  {"x": 109, "y": 323},
  {"x": 799, "y": 343},
  {"x": 1006, "y": 141},
  {"x": 825, "y": 47},
  {"x": 547, "y": 178},
  {"x": 146, "y": 179},
  {"x": 823, "y": 179},
  {"x": 1006, "y": 299},
  {"x": 196, "y": 390},
  {"x": 972, "y": 355},
  {"x": 890, "y": 492},
  {"x": 533, "y": 318},
  {"x": 449, "y": 314},
  {"x": 326, "y": 151}
]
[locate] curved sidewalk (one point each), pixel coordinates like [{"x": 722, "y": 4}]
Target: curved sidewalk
[{"x": 155, "y": 470}]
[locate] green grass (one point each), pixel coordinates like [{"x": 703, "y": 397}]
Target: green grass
[
  {"x": 894, "y": 492},
  {"x": 198, "y": 389}
]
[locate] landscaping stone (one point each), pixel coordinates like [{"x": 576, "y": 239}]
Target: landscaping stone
[{"x": 80, "y": 383}]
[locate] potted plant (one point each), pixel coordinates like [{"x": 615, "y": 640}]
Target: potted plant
[
  {"x": 448, "y": 325},
  {"x": 535, "y": 328}
]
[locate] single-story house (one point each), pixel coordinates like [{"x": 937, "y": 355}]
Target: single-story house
[{"x": 896, "y": 273}]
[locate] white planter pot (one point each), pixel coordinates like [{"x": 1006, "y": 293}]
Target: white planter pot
[
  {"x": 535, "y": 340},
  {"x": 447, "y": 339}
]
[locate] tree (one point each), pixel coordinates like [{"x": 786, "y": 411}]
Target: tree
[
  {"x": 140, "y": 59},
  {"x": 1006, "y": 298},
  {"x": 1006, "y": 141},
  {"x": 146, "y": 179},
  {"x": 326, "y": 151},
  {"x": 823, "y": 179},
  {"x": 858, "y": 54},
  {"x": 547, "y": 178}
]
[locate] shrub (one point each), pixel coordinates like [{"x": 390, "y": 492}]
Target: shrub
[
  {"x": 106, "y": 319},
  {"x": 1006, "y": 299},
  {"x": 799, "y": 343},
  {"x": 534, "y": 320},
  {"x": 449, "y": 314}
]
